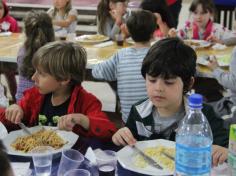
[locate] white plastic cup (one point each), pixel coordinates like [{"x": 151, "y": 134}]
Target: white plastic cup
[
  {"x": 71, "y": 37},
  {"x": 77, "y": 172},
  {"x": 42, "y": 159},
  {"x": 70, "y": 159}
]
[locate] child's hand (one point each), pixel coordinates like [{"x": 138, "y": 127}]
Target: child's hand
[
  {"x": 213, "y": 64},
  {"x": 219, "y": 154},
  {"x": 214, "y": 39},
  {"x": 172, "y": 32},
  {"x": 67, "y": 122},
  {"x": 116, "y": 16},
  {"x": 123, "y": 137},
  {"x": 14, "y": 113}
]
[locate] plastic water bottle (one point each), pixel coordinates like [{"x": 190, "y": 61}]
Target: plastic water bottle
[
  {"x": 193, "y": 141},
  {"x": 232, "y": 150}
]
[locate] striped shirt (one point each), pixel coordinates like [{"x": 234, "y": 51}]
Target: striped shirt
[{"x": 125, "y": 68}]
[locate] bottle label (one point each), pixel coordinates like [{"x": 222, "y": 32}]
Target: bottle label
[{"x": 193, "y": 160}]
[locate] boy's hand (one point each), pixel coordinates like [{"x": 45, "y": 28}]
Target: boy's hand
[
  {"x": 123, "y": 137},
  {"x": 213, "y": 64},
  {"x": 172, "y": 32},
  {"x": 214, "y": 39},
  {"x": 67, "y": 122},
  {"x": 14, "y": 113},
  {"x": 219, "y": 154}
]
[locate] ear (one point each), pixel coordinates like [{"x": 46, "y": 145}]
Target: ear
[{"x": 192, "y": 80}]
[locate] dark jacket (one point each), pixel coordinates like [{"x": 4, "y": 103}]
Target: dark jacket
[{"x": 141, "y": 124}]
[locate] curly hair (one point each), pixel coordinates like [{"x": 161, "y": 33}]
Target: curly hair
[{"x": 39, "y": 31}]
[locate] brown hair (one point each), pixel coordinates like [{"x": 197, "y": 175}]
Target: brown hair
[
  {"x": 38, "y": 31},
  {"x": 103, "y": 13},
  {"x": 62, "y": 60},
  {"x": 67, "y": 9},
  {"x": 207, "y": 5}
]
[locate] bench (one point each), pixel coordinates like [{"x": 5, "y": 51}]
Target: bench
[{"x": 87, "y": 23}]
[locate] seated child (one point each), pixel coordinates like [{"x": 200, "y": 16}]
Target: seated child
[
  {"x": 7, "y": 19},
  {"x": 225, "y": 107},
  {"x": 202, "y": 26},
  {"x": 5, "y": 166},
  {"x": 8, "y": 23},
  {"x": 112, "y": 14},
  {"x": 58, "y": 97},
  {"x": 165, "y": 20},
  {"x": 64, "y": 17},
  {"x": 125, "y": 66},
  {"x": 168, "y": 68},
  {"x": 38, "y": 31}
]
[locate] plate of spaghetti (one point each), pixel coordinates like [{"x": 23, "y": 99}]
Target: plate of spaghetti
[{"x": 19, "y": 143}]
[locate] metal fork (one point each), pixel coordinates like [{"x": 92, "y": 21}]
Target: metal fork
[{"x": 24, "y": 128}]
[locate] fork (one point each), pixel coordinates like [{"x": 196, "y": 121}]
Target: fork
[{"x": 24, "y": 128}]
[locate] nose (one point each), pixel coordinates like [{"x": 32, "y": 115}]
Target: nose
[
  {"x": 33, "y": 76},
  {"x": 159, "y": 85}
]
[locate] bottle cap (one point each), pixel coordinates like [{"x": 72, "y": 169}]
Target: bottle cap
[{"x": 195, "y": 100}]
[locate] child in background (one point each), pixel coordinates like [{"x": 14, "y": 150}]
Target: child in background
[
  {"x": 9, "y": 69},
  {"x": 5, "y": 166},
  {"x": 165, "y": 21},
  {"x": 125, "y": 66},
  {"x": 112, "y": 14},
  {"x": 168, "y": 68},
  {"x": 64, "y": 17},
  {"x": 38, "y": 31},
  {"x": 58, "y": 97},
  {"x": 225, "y": 107},
  {"x": 202, "y": 27},
  {"x": 6, "y": 19}
]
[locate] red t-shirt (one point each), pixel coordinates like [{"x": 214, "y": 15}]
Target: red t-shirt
[{"x": 170, "y": 2}]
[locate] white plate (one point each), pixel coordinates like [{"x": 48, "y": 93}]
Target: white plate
[
  {"x": 126, "y": 154},
  {"x": 90, "y": 39},
  {"x": 67, "y": 136},
  {"x": 5, "y": 34},
  {"x": 130, "y": 41},
  {"x": 196, "y": 44},
  {"x": 3, "y": 131},
  {"x": 223, "y": 60}
]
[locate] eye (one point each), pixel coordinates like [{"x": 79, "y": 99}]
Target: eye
[{"x": 169, "y": 81}]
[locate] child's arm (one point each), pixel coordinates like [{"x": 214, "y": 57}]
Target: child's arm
[
  {"x": 14, "y": 113},
  {"x": 219, "y": 154},
  {"x": 72, "y": 16},
  {"x": 123, "y": 137},
  {"x": 107, "y": 70},
  {"x": 227, "y": 79},
  {"x": 67, "y": 122}
]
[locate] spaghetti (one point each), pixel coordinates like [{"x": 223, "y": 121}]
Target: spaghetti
[{"x": 41, "y": 137}]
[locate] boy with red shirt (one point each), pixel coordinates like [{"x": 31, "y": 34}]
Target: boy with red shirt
[{"x": 58, "y": 99}]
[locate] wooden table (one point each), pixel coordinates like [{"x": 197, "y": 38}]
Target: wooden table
[{"x": 10, "y": 45}]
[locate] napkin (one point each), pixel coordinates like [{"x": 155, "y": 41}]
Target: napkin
[
  {"x": 21, "y": 169},
  {"x": 3, "y": 131},
  {"x": 5, "y": 34},
  {"x": 104, "y": 44},
  {"x": 90, "y": 155},
  {"x": 219, "y": 46}
]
